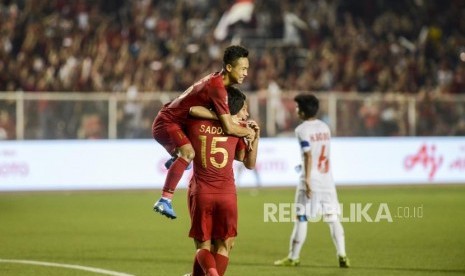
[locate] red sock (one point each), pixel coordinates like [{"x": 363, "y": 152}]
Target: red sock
[
  {"x": 197, "y": 269},
  {"x": 221, "y": 263},
  {"x": 174, "y": 175},
  {"x": 207, "y": 262}
]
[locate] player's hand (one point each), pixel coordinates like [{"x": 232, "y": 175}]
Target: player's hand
[
  {"x": 253, "y": 125},
  {"x": 308, "y": 192},
  {"x": 251, "y": 135},
  {"x": 308, "y": 189}
]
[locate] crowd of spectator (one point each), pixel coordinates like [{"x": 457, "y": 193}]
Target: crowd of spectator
[
  {"x": 414, "y": 47},
  {"x": 365, "y": 46}
]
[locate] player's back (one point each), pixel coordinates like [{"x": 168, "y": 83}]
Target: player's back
[
  {"x": 318, "y": 135},
  {"x": 208, "y": 92},
  {"x": 214, "y": 155}
]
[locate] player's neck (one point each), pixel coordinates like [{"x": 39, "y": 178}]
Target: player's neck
[
  {"x": 311, "y": 119},
  {"x": 226, "y": 80}
]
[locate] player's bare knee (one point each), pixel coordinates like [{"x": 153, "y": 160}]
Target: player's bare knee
[
  {"x": 187, "y": 152},
  {"x": 231, "y": 246},
  {"x": 229, "y": 242},
  {"x": 203, "y": 244},
  {"x": 223, "y": 247}
]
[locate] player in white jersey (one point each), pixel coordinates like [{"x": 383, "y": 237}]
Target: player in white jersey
[{"x": 316, "y": 193}]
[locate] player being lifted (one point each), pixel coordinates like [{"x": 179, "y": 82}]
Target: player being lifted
[
  {"x": 168, "y": 126},
  {"x": 316, "y": 189}
]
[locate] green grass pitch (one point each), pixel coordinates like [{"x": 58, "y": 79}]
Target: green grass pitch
[{"x": 118, "y": 231}]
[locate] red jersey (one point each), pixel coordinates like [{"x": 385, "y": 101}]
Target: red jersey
[
  {"x": 208, "y": 92},
  {"x": 214, "y": 155}
]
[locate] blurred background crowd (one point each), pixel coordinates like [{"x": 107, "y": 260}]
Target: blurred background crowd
[{"x": 411, "y": 47}]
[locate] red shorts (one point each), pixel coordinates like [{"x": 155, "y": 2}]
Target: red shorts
[
  {"x": 213, "y": 216},
  {"x": 168, "y": 134}
]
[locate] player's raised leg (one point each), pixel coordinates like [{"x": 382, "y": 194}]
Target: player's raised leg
[{"x": 173, "y": 140}]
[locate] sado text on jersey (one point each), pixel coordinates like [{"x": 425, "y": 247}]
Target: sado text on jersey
[{"x": 211, "y": 129}]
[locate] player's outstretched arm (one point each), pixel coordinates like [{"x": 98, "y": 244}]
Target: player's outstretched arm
[
  {"x": 230, "y": 128},
  {"x": 202, "y": 112}
]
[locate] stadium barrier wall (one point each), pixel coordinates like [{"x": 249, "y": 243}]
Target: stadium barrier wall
[
  {"x": 136, "y": 164},
  {"x": 74, "y": 115}
]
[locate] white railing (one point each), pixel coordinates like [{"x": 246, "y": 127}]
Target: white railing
[{"x": 32, "y": 116}]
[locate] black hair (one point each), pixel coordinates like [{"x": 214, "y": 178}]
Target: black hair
[
  {"x": 308, "y": 104},
  {"x": 233, "y": 53},
  {"x": 236, "y": 99}
]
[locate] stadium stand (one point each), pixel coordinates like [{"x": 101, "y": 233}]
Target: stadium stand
[{"x": 402, "y": 47}]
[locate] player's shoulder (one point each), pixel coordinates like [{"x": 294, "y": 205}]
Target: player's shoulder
[
  {"x": 321, "y": 123},
  {"x": 212, "y": 77},
  {"x": 216, "y": 79},
  {"x": 302, "y": 129},
  {"x": 301, "y": 126},
  {"x": 307, "y": 124},
  {"x": 322, "y": 127},
  {"x": 311, "y": 125}
]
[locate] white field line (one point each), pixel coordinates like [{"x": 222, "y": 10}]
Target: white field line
[{"x": 78, "y": 267}]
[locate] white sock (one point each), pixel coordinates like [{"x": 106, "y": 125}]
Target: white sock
[
  {"x": 299, "y": 234},
  {"x": 337, "y": 234},
  {"x": 167, "y": 199}
]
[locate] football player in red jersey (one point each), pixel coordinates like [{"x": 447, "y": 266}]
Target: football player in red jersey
[
  {"x": 170, "y": 123},
  {"x": 212, "y": 196}
]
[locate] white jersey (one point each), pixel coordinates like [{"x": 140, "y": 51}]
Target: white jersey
[{"x": 315, "y": 136}]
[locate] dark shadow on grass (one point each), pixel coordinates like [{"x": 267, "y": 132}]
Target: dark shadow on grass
[{"x": 400, "y": 269}]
